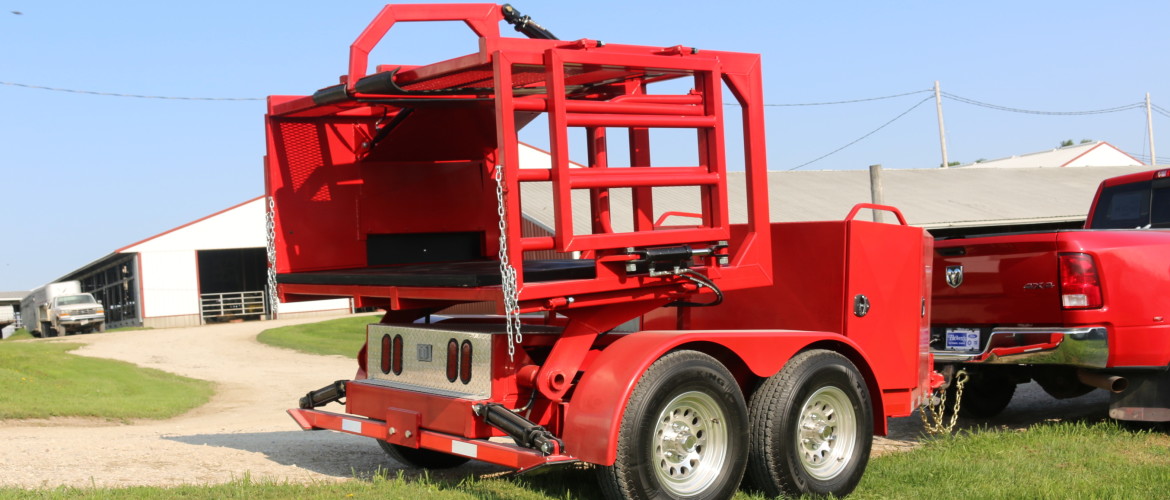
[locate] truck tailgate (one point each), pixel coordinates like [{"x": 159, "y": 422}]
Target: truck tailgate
[{"x": 997, "y": 280}]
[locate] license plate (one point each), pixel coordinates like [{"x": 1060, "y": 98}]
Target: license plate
[
  {"x": 85, "y": 322},
  {"x": 962, "y": 339}
]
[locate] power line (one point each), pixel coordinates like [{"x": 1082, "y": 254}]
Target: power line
[
  {"x": 1162, "y": 160},
  {"x": 948, "y": 95},
  {"x": 852, "y": 101},
  {"x": 1035, "y": 112},
  {"x": 1160, "y": 110},
  {"x": 139, "y": 96},
  {"x": 114, "y": 94},
  {"x": 56, "y": 89},
  {"x": 859, "y": 139}
]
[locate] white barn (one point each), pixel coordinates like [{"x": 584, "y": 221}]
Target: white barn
[
  {"x": 1089, "y": 154},
  {"x": 212, "y": 269}
]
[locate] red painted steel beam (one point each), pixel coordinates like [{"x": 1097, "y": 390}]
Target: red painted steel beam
[
  {"x": 615, "y": 107},
  {"x": 484, "y": 19},
  {"x": 649, "y": 121},
  {"x": 508, "y": 455},
  {"x": 641, "y": 177}
]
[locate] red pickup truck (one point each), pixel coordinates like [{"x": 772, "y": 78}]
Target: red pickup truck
[{"x": 1073, "y": 310}]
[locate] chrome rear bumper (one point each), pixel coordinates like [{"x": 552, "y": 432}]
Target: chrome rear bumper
[{"x": 1084, "y": 347}]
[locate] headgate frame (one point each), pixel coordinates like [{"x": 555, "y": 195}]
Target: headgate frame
[{"x": 403, "y": 188}]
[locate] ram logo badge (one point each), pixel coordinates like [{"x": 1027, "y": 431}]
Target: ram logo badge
[{"x": 954, "y": 276}]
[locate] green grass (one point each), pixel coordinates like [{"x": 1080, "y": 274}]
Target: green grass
[
  {"x": 42, "y": 380},
  {"x": 20, "y": 334},
  {"x": 1051, "y": 460},
  {"x": 385, "y": 485},
  {"x": 344, "y": 336}
]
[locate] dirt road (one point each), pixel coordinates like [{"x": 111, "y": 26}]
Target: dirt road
[{"x": 244, "y": 429}]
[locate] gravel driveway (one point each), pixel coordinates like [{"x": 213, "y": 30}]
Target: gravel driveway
[{"x": 245, "y": 430}]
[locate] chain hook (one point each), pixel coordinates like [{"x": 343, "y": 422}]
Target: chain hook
[{"x": 934, "y": 413}]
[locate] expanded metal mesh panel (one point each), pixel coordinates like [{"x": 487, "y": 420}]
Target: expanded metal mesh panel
[
  {"x": 303, "y": 155},
  {"x": 476, "y": 78}
]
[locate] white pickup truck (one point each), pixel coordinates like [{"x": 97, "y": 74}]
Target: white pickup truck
[
  {"x": 7, "y": 318},
  {"x": 61, "y": 309}
]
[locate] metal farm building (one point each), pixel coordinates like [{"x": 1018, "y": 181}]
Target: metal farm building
[{"x": 210, "y": 270}]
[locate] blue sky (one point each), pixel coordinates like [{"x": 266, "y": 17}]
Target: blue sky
[{"x": 83, "y": 175}]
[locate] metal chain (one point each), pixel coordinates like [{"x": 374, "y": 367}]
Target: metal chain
[
  {"x": 270, "y": 229},
  {"x": 934, "y": 414},
  {"x": 507, "y": 273}
]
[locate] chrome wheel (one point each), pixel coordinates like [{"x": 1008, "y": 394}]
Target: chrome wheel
[
  {"x": 682, "y": 433},
  {"x": 827, "y": 434},
  {"x": 690, "y": 443}
]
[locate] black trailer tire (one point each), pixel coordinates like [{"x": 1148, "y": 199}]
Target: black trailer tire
[
  {"x": 681, "y": 435},
  {"x": 421, "y": 457},
  {"x": 811, "y": 428},
  {"x": 48, "y": 330}
]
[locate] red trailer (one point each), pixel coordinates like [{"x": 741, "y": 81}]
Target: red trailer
[{"x": 673, "y": 350}]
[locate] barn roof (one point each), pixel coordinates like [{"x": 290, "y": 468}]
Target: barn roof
[{"x": 930, "y": 198}]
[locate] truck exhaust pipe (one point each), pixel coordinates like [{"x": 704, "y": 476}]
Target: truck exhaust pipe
[{"x": 1111, "y": 383}]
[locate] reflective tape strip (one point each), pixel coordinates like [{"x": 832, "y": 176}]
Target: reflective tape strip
[
  {"x": 465, "y": 449},
  {"x": 351, "y": 426}
]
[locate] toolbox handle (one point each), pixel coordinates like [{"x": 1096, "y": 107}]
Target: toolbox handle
[
  {"x": 885, "y": 208},
  {"x": 483, "y": 18}
]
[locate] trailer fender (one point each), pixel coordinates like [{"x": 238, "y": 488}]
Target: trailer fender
[{"x": 593, "y": 417}]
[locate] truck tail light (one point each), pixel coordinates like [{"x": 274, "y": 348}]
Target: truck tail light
[{"x": 1079, "y": 286}]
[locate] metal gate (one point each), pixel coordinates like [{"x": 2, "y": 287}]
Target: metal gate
[{"x": 231, "y": 305}]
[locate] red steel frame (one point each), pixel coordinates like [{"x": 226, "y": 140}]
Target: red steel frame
[
  {"x": 322, "y": 173},
  {"x": 537, "y": 72}
]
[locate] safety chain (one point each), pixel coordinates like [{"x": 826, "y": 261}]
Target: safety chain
[
  {"x": 507, "y": 272},
  {"x": 270, "y": 229},
  {"x": 934, "y": 414}
]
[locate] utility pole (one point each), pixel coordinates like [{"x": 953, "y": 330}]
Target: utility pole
[
  {"x": 1150, "y": 131},
  {"x": 942, "y": 130},
  {"x": 875, "y": 190}
]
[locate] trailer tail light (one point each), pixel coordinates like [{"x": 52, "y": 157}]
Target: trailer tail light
[
  {"x": 387, "y": 354},
  {"x": 396, "y": 365},
  {"x": 391, "y": 354},
  {"x": 452, "y": 360},
  {"x": 1080, "y": 287},
  {"x": 1162, "y": 174},
  {"x": 465, "y": 362}
]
